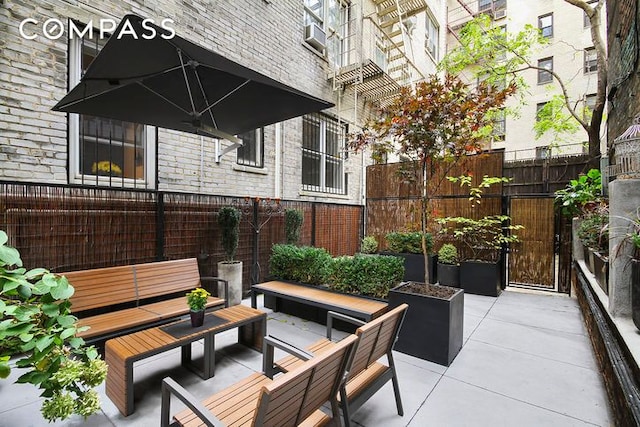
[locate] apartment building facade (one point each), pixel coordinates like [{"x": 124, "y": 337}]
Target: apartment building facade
[
  {"x": 569, "y": 52},
  {"x": 355, "y": 54}
]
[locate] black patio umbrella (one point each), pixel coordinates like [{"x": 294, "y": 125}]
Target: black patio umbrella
[{"x": 176, "y": 84}]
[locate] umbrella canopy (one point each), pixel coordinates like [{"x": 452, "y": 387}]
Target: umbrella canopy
[{"x": 173, "y": 83}]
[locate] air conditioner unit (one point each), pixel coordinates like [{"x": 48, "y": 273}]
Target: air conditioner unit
[
  {"x": 499, "y": 13},
  {"x": 315, "y": 36}
]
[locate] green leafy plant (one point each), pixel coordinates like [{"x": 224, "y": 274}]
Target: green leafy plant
[
  {"x": 593, "y": 231},
  {"x": 448, "y": 254},
  {"x": 408, "y": 242},
  {"x": 580, "y": 194},
  {"x": 370, "y": 275},
  {"x": 293, "y": 219},
  {"x": 369, "y": 245},
  {"x": 37, "y": 328},
  {"x": 197, "y": 299},
  {"x": 300, "y": 263},
  {"x": 229, "y": 221}
]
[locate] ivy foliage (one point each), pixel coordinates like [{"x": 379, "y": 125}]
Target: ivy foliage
[{"x": 39, "y": 332}]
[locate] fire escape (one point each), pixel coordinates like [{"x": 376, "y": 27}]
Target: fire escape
[
  {"x": 466, "y": 10},
  {"x": 374, "y": 64}
]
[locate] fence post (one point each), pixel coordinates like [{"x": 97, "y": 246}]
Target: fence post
[
  {"x": 160, "y": 226},
  {"x": 255, "y": 273},
  {"x": 313, "y": 224}
]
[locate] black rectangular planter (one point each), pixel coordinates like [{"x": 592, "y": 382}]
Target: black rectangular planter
[
  {"x": 414, "y": 266},
  {"x": 449, "y": 275},
  {"x": 635, "y": 292},
  {"x": 481, "y": 278},
  {"x": 601, "y": 270},
  {"x": 432, "y": 327}
]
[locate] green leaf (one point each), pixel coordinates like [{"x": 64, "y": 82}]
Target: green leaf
[
  {"x": 62, "y": 290},
  {"x": 44, "y": 342},
  {"x": 24, "y": 291},
  {"x": 9, "y": 256},
  {"x": 76, "y": 342},
  {"x": 66, "y": 321},
  {"x": 69, "y": 332},
  {"x": 26, "y": 337},
  {"x": 51, "y": 310}
]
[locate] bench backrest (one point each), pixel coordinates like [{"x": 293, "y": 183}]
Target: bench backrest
[
  {"x": 294, "y": 396},
  {"x": 377, "y": 338},
  {"x": 166, "y": 277},
  {"x": 101, "y": 287}
]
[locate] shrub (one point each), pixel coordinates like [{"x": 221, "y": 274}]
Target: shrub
[
  {"x": 448, "y": 254},
  {"x": 593, "y": 231},
  {"x": 579, "y": 193},
  {"x": 369, "y": 245},
  {"x": 229, "y": 221},
  {"x": 300, "y": 263},
  {"x": 39, "y": 330},
  {"x": 370, "y": 275},
  {"x": 408, "y": 242},
  {"x": 293, "y": 219}
]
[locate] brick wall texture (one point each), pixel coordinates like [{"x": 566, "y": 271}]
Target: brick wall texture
[{"x": 265, "y": 36}]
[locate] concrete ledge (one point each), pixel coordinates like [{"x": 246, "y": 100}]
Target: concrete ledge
[{"x": 618, "y": 366}]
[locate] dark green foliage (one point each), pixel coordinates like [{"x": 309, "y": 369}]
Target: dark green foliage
[
  {"x": 585, "y": 190},
  {"x": 300, "y": 263},
  {"x": 448, "y": 254},
  {"x": 229, "y": 221},
  {"x": 408, "y": 242},
  {"x": 594, "y": 232},
  {"x": 370, "y": 275},
  {"x": 369, "y": 245},
  {"x": 293, "y": 219}
]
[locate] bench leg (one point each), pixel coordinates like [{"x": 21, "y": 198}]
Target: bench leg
[
  {"x": 209, "y": 356},
  {"x": 396, "y": 386},
  {"x": 119, "y": 384},
  {"x": 253, "y": 333}
]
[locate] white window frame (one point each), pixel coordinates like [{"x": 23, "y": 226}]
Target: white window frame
[
  {"x": 590, "y": 60},
  {"x": 324, "y": 157},
  {"x": 548, "y": 77},
  {"x": 75, "y": 176},
  {"x": 542, "y": 27},
  {"x": 430, "y": 45},
  {"x": 321, "y": 18}
]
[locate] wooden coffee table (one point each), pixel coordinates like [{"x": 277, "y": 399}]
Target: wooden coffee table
[{"x": 121, "y": 352}]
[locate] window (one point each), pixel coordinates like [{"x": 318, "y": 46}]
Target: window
[
  {"x": 432, "y": 36},
  {"x": 587, "y": 22},
  {"x": 252, "y": 151},
  {"x": 545, "y": 24},
  {"x": 331, "y": 17},
  {"x": 499, "y": 125},
  {"x": 492, "y": 6},
  {"x": 323, "y": 154},
  {"x": 539, "y": 108},
  {"x": 589, "y": 105},
  {"x": 545, "y": 77},
  {"x": 102, "y": 151},
  {"x": 590, "y": 60},
  {"x": 543, "y": 152}
]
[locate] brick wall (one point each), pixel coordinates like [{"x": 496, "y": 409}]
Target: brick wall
[{"x": 267, "y": 37}]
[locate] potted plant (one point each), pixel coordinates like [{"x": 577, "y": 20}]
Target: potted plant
[
  {"x": 408, "y": 245},
  {"x": 293, "y": 219},
  {"x": 369, "y": 245},
  {"x": 448, "y": 266},
  {"x": 197, "y": 302},
  {"x": 433, "y": 326},
  {"x": 229, "y": 268},
  {"x": 634, "y": 238},
  {"x": 594, "y": 235}
]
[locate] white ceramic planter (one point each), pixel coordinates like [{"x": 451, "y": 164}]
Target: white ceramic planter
[{"x": 231, "y": 272}]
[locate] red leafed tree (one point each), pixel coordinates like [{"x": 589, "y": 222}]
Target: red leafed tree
[{"x": 440, "y": 120}]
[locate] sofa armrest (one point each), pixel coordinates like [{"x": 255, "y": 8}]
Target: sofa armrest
[
  {"x": 169, "y": 387},
  {"x": 224, "y": 282},
  {"x": 333, "y": 315},
  {"x": 270, "y": 343}
]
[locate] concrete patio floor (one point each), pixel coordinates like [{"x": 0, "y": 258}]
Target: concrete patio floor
[{"x": 526, "y": 361}]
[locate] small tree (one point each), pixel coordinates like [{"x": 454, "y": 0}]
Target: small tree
[
  {"x": 440, "y": 120},
  {"x": 293, "y": 219},
  {"x": 229, "y": 221}
]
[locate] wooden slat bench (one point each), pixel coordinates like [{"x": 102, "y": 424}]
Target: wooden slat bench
[
  {"x": 292, "y": 399},
  {"x": 350, "y": 305},
  {"x": 367, "y": 374},
  {"x": 117, "y": 300}
]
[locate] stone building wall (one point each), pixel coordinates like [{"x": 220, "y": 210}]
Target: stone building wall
[{"x": 264, "y": 36}]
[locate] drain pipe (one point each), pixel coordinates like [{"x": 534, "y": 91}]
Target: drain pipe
[{"x": 277, "y": 190}]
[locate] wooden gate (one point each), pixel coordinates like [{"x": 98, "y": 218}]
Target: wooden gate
[{"x": 532, "y": 260}]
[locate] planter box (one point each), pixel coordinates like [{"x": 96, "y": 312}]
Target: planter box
[
  {"x": 432, "y": 327},
  {"x": 449, "y": 275},
  {"x": 414, "y": 266},
  {"x": 635, "y": 292},
  {"x": 601, "y": 270},
  {"x": 481, "y": 278}
]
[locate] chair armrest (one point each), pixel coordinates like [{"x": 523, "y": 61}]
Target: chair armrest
[
  {"x": 169, "y": 386},
  {"x": 269, "y": 344},
  {"x": 333, "y": 315},
  {"x": 226, "y": 287}
]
